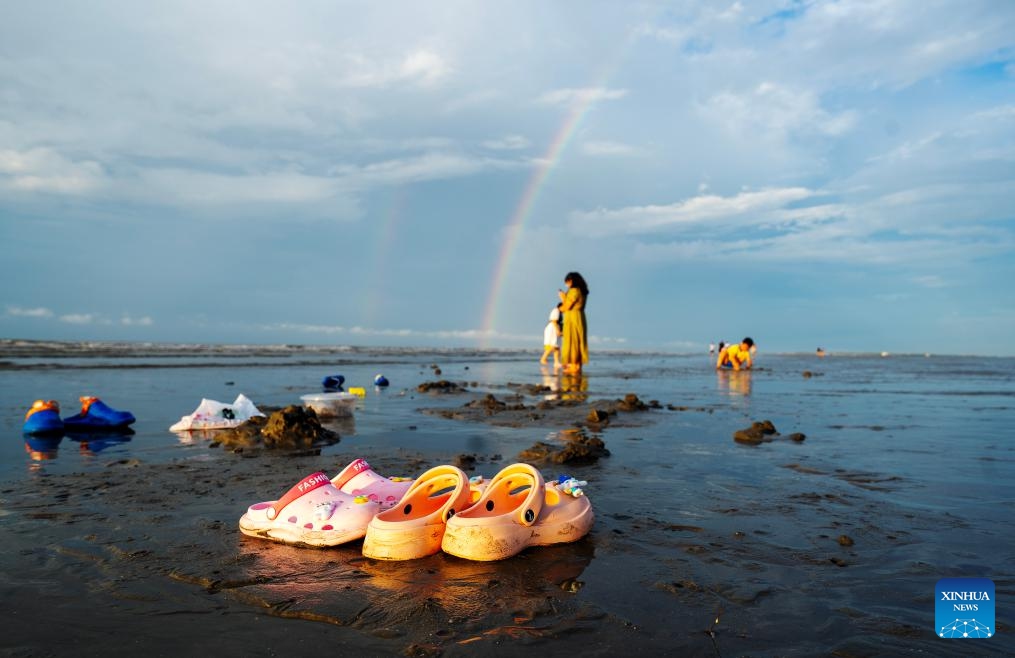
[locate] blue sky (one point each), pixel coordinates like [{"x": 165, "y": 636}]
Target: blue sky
[{"x": 838, "y": 174}]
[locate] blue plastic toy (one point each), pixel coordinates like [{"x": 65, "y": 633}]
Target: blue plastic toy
[
  {"x": 380, "y": 380},
  {"x": 333, "y": 382}
]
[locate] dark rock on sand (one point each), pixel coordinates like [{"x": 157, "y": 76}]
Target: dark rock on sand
[
  {"x": 631, "y": 403},
  {"x": 578, "y": 449},
  {"x": 465, "y": 462},
  {"x": 749, "y": 436},
  {"x": 441, "y": 386},
  {"x": 845, "y": 540},
  {"x": 493, "y": 405},
  {"x": 290, "y": 428},
  {"x": 763, "y": 432},
  {"x": 536, "y": 389},
  {"x": 598, "y": 416},
  {"x": 758, "y": 432}
]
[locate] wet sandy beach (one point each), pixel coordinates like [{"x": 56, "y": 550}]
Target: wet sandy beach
[{"x": 701, "y": 546}]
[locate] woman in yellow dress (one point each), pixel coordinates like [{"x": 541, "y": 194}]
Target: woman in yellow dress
[{"x": 574, "y": 346}]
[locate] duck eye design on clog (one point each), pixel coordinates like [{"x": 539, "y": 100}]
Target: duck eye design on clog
[{"x": 529, "y": 515}]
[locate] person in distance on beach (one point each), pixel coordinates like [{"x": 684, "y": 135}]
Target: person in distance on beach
[
  {"x": 574, "y": 347},
  {"x": 551, "y": 337},
  {"x": 736, "y": 356}
]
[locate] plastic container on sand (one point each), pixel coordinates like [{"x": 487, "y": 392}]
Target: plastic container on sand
[{"x": 327, "y": 405}]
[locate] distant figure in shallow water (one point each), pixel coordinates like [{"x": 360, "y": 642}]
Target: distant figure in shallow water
[
  {"x": 736, "y": 356},
  {"x": 574, "y": 346},
  {"x": 820, "y": 352}
]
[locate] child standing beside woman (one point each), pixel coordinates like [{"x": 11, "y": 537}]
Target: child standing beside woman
[{"x": 551, "y": 337}]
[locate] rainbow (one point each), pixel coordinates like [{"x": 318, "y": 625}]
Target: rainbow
[
  {"x": 522, "y": 212},
  {"x": 544, "y": 166},
  {"x": 386, "y": 236}
]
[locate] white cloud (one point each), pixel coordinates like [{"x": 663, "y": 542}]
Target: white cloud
[
  {"x": 38, "y": 312},
  {"x": 46, "y": 170},
  {"x": 607, "y": 149},
  {"x": 421, "y": 67},
  {"x": 507, "y": 143},
  {"x": 79, "y": 318},
  {"x": 143, "y": 321},
  {"x": 424, "y": 67},
  {"x": 580, "y": 96},
  {"x": 430, "y": 166},
  {"x": 774, "y": 112},
  {"x": 750, "y": 207},
  {"x": 483, "y": 336},
  {"x": 126, "y": 319},
  {"x": 930, "y": 281}
]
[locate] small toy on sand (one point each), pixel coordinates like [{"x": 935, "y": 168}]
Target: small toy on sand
[
  {"x": 43, "y": 417},
  {"x": 96, "y": 414},
  {"x": 380, "y": 380}
]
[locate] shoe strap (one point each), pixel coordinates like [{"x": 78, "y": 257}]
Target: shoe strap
[
  {"x": 42, "y": 405},
  {"x": 303, "y": 487},
  {"x": 442, "y": 477},
  {"x": 349, "y": 472},
  {"x": 524, "y": 474}
]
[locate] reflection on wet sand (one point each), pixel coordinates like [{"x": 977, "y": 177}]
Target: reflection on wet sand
[
  {"x": 90, "y": 443},
  {"x": 458, "y": 600},
  {"x": 344, "y": 425},
  {"x": 737, "y": 382},
  {"x": 564, "y": 386},
  {"x": 551, "y": 381},
  {"x": 42, "y": 448},
  {"x": 574, "y": 387}
]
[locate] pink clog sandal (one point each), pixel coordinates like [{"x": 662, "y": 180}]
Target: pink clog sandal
[
  {"x": 358, "y": 479},
  {"x": 313, "y": 513},
  {"x": 414, "y": 527},
  {"x": 517, "y": 510}
]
